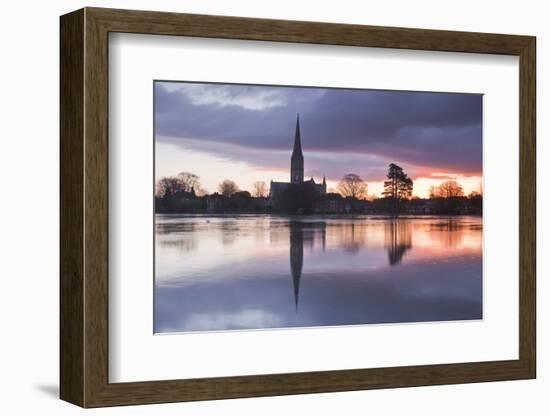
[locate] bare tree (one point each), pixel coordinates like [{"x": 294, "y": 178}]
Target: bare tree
[
  {"x": 259, "y": 189},
  {"x": 182, "y": 182},
  {"x": 450, "y": 189},
  {"x": 352, "y": 185},
  {"x": 188, "y": 181},
  {"x": 433, "y": 192},
  {"x": 167, "y": 185},
  {"x": 200, "y": 191},
  {"x": 228, "y": 188}
]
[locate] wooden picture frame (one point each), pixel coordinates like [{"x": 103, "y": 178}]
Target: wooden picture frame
[{"x": 84, "y": 207}]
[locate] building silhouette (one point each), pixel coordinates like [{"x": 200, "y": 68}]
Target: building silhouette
[{"x": 277, "y": 189}]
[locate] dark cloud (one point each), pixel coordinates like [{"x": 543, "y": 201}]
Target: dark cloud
[{"x": 425, "y": 131}]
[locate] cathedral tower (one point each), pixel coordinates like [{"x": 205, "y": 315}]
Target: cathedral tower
[{"x": 297, "y": 159}]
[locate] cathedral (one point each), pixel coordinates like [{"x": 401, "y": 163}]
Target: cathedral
[{"x": 296, "y": 172}]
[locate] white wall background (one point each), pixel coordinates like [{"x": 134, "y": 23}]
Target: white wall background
[{"x": 29, "y": 234}]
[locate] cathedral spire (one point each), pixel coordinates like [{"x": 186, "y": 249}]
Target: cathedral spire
[
  {"x": 297, "y": 139},
  {"x": 297, "y": 159}
]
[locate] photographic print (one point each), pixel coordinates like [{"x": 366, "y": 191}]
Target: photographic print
[{"x": 299, "y": 207}]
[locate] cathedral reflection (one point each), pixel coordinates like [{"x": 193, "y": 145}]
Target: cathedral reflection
[
  {"x": 396, "y": 237},
  {"x": 296, "y": 258},
  {"x": 300, "y": 234}
]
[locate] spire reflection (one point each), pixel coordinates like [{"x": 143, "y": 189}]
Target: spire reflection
[
  {"x": 302, "y": 234},
  {"x": 296, "y": 257}
]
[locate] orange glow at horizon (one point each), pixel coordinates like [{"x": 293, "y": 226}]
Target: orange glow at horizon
[
  {"x": 212, "y": 169},
  {"x": 422, "y": 185}
]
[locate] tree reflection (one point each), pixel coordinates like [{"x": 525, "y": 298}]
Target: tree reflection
[
  {"x": 449, "y": 232},
  {"x": 229, "y": 230},
  {"x": 349, "y": 236},
  {"x": 180, "y": 236},
  {"x": 398, "y": 235},
  {"x": 353, "y": 242}
]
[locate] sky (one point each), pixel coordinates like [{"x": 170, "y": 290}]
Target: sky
[{"x": 246, "y": 133}]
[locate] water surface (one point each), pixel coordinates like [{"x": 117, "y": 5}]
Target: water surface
[{"x": 262, "y": 271}]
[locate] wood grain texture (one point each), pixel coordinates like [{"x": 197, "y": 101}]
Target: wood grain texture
[
  {"x": 71, "y": 208},
  {"x": 84, "y": 205},
  {"x": 162, "y": 23},
  {"x": 527, "y": 207},
  {"x": 96, "y": 220}
]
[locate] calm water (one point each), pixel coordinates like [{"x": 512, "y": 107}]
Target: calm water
[{"x": 249, "y": 272}]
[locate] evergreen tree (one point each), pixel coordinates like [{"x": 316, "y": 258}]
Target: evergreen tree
[{"x": 398, "y": 186}]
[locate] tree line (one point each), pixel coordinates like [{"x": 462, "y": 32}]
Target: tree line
[
  {"x": 188, "y": 182},
  {"x": 184, "y": 191}
]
